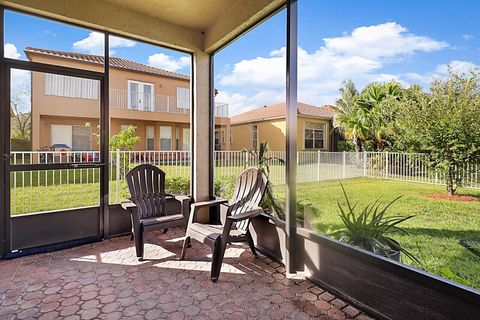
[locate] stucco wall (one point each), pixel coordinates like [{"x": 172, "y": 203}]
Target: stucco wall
[
  {"x": 53, "y": 108},
  {"x": 274, "y": 131}
]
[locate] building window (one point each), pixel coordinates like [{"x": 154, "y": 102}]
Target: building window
[
  {"x": 124, "y": 127},
  {"x": 231, "y": 136},
  {"x": 75, "y": 137},
  {"x": 254, "y": 136},
  {"x": 183, "y": 98},
  {"x": 217, "y": 141},
  {"x": 150, "y": 137},
  {"x": 222, "y": 135},
  {"x": 140, "y": 95},
  {"x": 71, "y": 87},
  {"x": 165, "y": 138},
  {"x": 314, "y": 135},
  {"x": 186, "y": 139}
]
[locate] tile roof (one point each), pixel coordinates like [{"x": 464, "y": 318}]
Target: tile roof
[
  {"x": 278, "y": 111},
  {"x": 114, "y": 62}
]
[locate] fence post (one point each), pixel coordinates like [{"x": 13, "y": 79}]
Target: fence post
[
  {"x": 117, "y": 175},
  {"x": 344, "y": 167},
  {"x": 386, "y": 165},
  {"x": 318, "y": 165},
  {"x": 364, "y": 163},
  {"x": 246, "y": 160}
]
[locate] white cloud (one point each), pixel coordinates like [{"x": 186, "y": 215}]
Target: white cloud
[
  {"x": 467, "y": 36},
  {"x": 359, "y": 56},
  {"x": 439, "y": 72},
  {"x": 456, "y": 66},
  {"x": 11, "y": 51},
  {"x": 381, "y": 41},
  {"x": 236, "y": 102},
  {"x": 94, "y": 44},
  {"x": 161, "y": 60}
]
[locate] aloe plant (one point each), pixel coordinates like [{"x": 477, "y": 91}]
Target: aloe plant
[{"x": 371, "y": 228}]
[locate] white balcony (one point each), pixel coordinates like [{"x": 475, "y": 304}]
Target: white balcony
[{"x": 129, "y": 100}]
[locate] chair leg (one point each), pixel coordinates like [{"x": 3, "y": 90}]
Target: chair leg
[
  {"x": 251, "y": 243},
  {"x": 186, "y": 244},
  {"x": 138, "y": 237},
  {"x": 217, "y": 259}
]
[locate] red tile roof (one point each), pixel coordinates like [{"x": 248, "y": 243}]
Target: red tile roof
[
  {"x": 114, "y": 62},
  {"x": 275, "y": 111}
]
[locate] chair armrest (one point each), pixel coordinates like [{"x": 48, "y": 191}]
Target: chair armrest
[
  {"x": 128, "y": 205},
  {"x": 181, "y": 197},
  {"x": 195, "y": 207},
  {"x": 246, "y": 215},
  {"x": 169, "y": 195},
  {"x": 211, "y": 203},
  {"x": 184, "y": 205}
]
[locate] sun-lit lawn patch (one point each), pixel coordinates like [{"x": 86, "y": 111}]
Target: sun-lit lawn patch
[{"x": 434, "y": 233}]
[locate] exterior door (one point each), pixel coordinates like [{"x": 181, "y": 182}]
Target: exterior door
[
  {"x": 53, "y": 166},
  {"x": 141, "y": 95}
]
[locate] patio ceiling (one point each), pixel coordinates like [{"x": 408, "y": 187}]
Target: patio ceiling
[{"x": 183, "y": 24}]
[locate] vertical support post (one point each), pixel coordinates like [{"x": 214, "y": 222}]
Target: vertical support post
[
  {"x": 117, "y": 175},
  {"x": 202, "y": 122},
  {"x": 364, "y": 163},
  {"x": 386, "y": 165},
  {"x": 291, "y": 143},
  {"x": 318, "y": 165},
  {"x": 344, "y": 165},
  {"x": 4, "y": 180},
  {"x": 104, "y": 138}
]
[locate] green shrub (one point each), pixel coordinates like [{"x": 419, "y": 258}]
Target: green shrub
[
  {"x": 224, "y": 186},
  {"x": 179, "y": 185},
  {"x": 346, "y": 145}
]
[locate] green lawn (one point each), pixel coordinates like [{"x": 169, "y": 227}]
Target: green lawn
[{"x": 433, "y": 234}]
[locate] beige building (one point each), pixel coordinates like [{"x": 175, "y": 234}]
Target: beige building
[
  {"x": 155, "y": 101},
  {"x": 267, "y": 123}
]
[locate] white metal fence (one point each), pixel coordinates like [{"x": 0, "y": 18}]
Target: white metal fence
[{"x": 68, "y": 188}]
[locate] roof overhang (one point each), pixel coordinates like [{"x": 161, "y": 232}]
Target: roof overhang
[{"x": 181, "y": 24}]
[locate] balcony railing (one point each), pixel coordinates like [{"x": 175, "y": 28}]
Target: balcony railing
[{"x": 129, "y": 100}]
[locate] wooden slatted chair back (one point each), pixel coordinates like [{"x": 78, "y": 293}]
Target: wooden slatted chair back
[
  {"x": 250, "y": 187},
  {"x": 146, "y": 184}
]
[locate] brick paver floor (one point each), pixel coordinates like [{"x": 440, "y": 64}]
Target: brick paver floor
[{"x": 105, "y": 281}]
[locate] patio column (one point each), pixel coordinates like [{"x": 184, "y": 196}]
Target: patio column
[
  {"x": 201, "y": 129},
  {"x": 291, "y": 143}
]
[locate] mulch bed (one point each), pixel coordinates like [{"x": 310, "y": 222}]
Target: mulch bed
[{"x": 456, "y": 197}]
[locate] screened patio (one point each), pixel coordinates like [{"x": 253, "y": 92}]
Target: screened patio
[{"x": 79, "y": 262}]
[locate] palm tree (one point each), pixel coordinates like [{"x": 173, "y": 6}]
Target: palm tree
[
  {"x": 351, "y": 118},
  {"x": 379, "y": 100}
]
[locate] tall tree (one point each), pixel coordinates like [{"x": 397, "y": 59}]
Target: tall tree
[
  {"x": 21, "y": 118},
  {"x": 351, "y": 118},
  {"x": 444, "y": 124}
]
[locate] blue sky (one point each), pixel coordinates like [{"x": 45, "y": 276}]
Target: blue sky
[{"x": 408, "y": 41}]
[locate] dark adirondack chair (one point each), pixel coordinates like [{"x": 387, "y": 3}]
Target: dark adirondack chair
[
  {"x": 148, "y": 205},
  {"x": 232, "y": 224}
]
